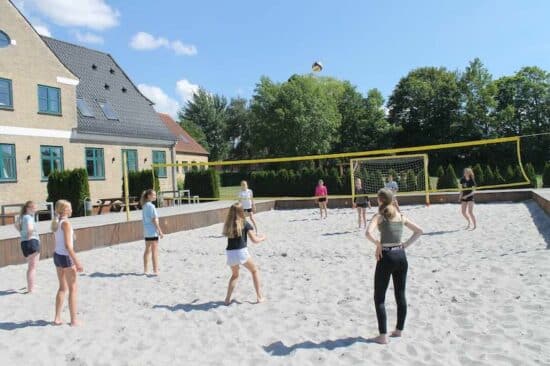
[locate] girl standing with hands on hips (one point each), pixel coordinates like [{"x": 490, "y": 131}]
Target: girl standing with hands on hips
[
  {"x": 65, "y": 260},
  {"x": 151, "y": 230},
  {"x": 30, "y": 241},
  {"x": 391, "y": 260}
]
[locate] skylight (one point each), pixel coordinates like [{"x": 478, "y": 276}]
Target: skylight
[
  {"x": 108, "y": 111},
  {"x": 84, "y": 108}
]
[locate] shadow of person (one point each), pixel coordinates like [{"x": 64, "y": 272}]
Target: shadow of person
[
  {"x": 193, "y": 306},
  {"x": 25, "y": 324},
  {"x": 280, "y": 349},
  {"x": 114, "y": 275}
]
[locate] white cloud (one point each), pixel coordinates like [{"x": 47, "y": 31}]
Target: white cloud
[
  {"x": 143, "y": 41},
  {"x": 186, "y": 89},
  {"x": 94, "y": 14},
  {"x": 163, "y": 103},
  {"x": 88, "y": 37},
  {"x": 42, "y": 30}
]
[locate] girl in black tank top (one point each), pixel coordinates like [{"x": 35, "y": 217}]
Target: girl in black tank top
[{"x": 466, "y": 197}]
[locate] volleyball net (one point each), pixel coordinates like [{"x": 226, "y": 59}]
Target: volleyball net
[{"x": 497, "y": 164}]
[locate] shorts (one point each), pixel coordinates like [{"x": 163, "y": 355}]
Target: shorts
[
  {"x": 362, "y": 205},
  {"x": 62, "y": 261},
  {"x": 322, "y": 199},
  {"x": 469, "y": 199},
  {"x": 247, "y": 210},
  {"x": 236, "y": 257},
  {"x": 30, "y": 246},
  {"x": 152, "y": 238}
]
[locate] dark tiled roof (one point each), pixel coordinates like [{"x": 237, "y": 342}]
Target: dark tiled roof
[
  {"x": 186, "y": 144},
  {"x": 101, "y": 79}
]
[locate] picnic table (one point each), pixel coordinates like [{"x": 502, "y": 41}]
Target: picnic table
[
  {"x": 4, "y": 214},
  {"x": 177, "y": 196},
  {"x": 116, "y": 204}
]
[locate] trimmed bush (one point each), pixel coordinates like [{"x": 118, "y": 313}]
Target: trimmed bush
[
  {"x": 479, "y": 175},
  {"x": 411, "y": 181},
  {"x": 229, "y": 179},
  {"x": 139, "y": 182},
  {"x": 489, "y": 176},
  {"x": 70, "y": 185},
  {"x": 499, "y": 179},
  {"x": 546, "y": 175},
  {"x": 203, "y": 183},
  {"x": 510, "y": 174},
  {"x": 448, "y": 180},
  {"x": 530, "y": 171},
  {"x": 439, "y": 171}
]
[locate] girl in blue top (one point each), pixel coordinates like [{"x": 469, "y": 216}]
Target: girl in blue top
[
  {"x": 30, "y": 241},
  {"x": 151, "y": 230}
]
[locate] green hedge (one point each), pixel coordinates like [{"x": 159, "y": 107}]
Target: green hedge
[
  {"x": 70, "y": 185},
  {"x": 546, "y": 175},
  {"x": 530, "y": 171},
  {"x": 203, "y": 183},
  {"x": 448, "y": 180},
  {"x": 139, "y": 182},
  {"x": 229, "y": 179}
]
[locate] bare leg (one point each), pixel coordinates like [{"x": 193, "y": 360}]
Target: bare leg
[
  {"x": 364, "y": 216},
  {"x": 70, "y": 275},
  {"x": 381, "y": 339},
  {"x": 325, "y": 207},
  {"x": 359, "y": 216},
  {"x": 321, "y": 209},
  {"x": 471, "y": 213},
  {"x": 253, "y": 221},
  {"x": 31, "y": 270},
  {"x": 463, "y": 206},
  {"x": 60, "y": 297},
  {"x": 232, "y": 283},
  {"x": 155, "y": 249},
  {"x": 146, "y": 255},
  {"x": 255, "y": 277}
]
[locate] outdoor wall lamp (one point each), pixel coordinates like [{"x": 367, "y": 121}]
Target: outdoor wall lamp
[
  {"x": 113, "y": 160},
  {"x": 145, "y": 160},
  {"x": 28, "y": 158}
]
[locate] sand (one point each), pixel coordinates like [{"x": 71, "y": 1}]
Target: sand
[{"x": 475, "y": 298}]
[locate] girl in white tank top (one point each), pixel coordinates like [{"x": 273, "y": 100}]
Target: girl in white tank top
[{"x": 59, "y": 235}]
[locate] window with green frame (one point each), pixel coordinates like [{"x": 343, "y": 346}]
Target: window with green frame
[
  {"x": 8, "y": 171},
  {"x": 52, "y": 160},
  {"x": 49, "y": 100},
  {"x": 131, "y": 159},
  {"x": 6, "y": 96},
  {"x": 95, "y": 163},
  {"x": 159, "y": 157}
]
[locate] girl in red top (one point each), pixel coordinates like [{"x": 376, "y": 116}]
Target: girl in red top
[{"x": 321, "y": 194}]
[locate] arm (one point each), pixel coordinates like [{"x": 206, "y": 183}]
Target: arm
[
  {"x": 30, "y": 229},
  {"x": 473, "y": 188},
  {"x": 373, "y": 224},
  {"x": 157, "y": 226},
  {"x": 252, "y": 201},
  {"x": 256, "y": 239},
  {"x": 66, "y": 227},
  {"x": 417, "y": 232}
]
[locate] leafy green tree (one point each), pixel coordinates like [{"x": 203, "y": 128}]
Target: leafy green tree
[
  {"x": 238, "y": 129},
  {"x": 194, "y": 131},
  {"x": 209, "y": 112},
  {"x": 477, "y": 96},
  {"x": 298, "y": 117},
  {"x": 425, "y": 104}
]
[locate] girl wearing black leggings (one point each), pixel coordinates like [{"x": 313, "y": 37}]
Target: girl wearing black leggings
[{"x": 391, "y": 260}]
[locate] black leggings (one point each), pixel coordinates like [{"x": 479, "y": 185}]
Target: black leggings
[{"x": 393, "y": 263}]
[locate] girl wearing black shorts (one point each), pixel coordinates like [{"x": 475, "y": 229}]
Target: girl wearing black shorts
[
  {"x": 466, "y": 197},
  {"x": 361, "y": 201}
]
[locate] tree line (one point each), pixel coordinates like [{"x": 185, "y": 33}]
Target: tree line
[{"x": 308, "y": 114}]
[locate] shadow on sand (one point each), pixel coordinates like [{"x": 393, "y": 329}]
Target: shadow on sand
[
  {"x": 280, "y": 349},
  {"x": 115, "y": 275},
  {"x": 541, "y": 221},
  {"x": 442, "y": 232},
  {"x": 337, "y": 233},
  {"x": 26, "y": 324},
  {"x": 8, "y": 292},
  {"x": 193, "y": 306}
]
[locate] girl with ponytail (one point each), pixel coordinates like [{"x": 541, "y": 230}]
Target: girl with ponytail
[{"x": 391, "y": 260}]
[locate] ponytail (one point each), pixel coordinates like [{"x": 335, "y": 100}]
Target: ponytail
[
  {"x": 145, "y": 196},
  {"x": 55, "y": 223},
  {"x": 386, "y": 209},
  {"x": 23, "y": 212}
]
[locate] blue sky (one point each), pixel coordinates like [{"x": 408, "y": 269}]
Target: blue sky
[{"x": 170, "y": 47}]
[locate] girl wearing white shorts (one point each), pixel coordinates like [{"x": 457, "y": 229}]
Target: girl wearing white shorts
[{"x": 237, "y": 230}]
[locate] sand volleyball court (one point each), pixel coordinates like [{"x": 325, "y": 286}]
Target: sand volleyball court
[{"x": 475, "y": 298}]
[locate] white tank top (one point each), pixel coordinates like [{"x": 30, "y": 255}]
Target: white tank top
[{"x": 60, "y": 239}]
